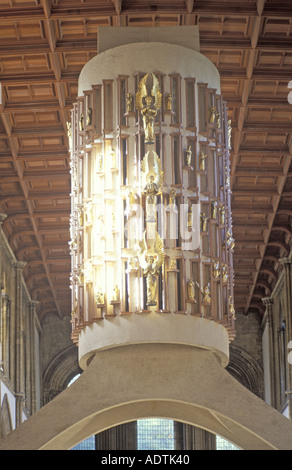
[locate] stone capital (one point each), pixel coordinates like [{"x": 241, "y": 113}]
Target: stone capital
[
  {"x": 267, "y": 301},
  {"x": 285, "y": 261},
  {"x": 33, "y": 303},
  {"x": 20, "y": 264},
  {"x": 5, "y": 296},
  {"x": 2, "y": 217}
]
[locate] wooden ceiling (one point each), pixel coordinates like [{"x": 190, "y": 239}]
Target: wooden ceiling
[{"x": 43, "y": 46}]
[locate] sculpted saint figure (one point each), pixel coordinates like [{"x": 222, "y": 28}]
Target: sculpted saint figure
[
  {"x": 191, "y": 290},
  {"x": 151, "y": 281},
  {"x": 148, "y": 102},
  {"x": 151, "y": 259}
]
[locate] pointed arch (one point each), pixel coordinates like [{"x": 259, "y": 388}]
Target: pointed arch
[
  {"x": 5, "y": 418},
  {"x": 59, "y": 373}
]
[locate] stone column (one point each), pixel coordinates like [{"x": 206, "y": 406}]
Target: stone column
[
  {"x": 31, "y": 363},
  {"x": 268, "y": 303},
  {"x": 19, "y": 377},
  {"x": 5, "y": 301},
  {"x": 286, "y": 262},
  {"x": 2, "y": 325},
  {"x": 2, "y": 332}
]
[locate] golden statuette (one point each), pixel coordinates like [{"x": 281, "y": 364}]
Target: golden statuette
[
  {"x": 116, "y": 294},
  {"x": 218, "y": 120},
  {"x": 224, "y": 274},
  {"x": 148, "y": 102},
  {"x": 188, "y": 156},
  {"x": 190, "y": 217},
  {"x": 89, "y": 117},
  {"x": 151, "y": 181},
  {"x": 231, "y": 308},
  {"x": 216, "y": 270},
  {"x": 99, "y": 298},
  {"x": 172, "y": 196},
  {"x": 230, "y": 240},
  {"x": 214, "y": 206},
  {"x": 229, "y": 133},
  {"x": 129, "y": 103},
  {"x": 202, "y": 162},
  {"x": 172, "y": 263},
  {"x": 74, "y": 312},
  {"x": 222, "y": 214},
  {"x": 168, "y": 100},
  {"x": 81, "y": 123},
  {"x": 191, "y": 290},
  {"x": 212, "y": 116},
  {"x": 204, "y": 221},
  {"x": 205, "y": 293},
  {"x": 151, "y": 257}
]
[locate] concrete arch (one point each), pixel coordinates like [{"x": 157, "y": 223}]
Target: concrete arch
[{"x": 126, "y": 383}]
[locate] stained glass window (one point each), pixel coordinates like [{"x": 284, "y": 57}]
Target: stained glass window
[
  {"x": 155, "y": 434},
  {"x": 87, "y": 444},
  {"x": 222, "y": 444}
]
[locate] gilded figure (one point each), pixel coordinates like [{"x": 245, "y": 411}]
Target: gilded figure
[
  {"x": 172, "y": 263},
  {"x": 224, "y": 274},
  {"x": 129, "y": 103},
  {"x": 216, "y": 270},
  {"x": 222, "y": 214},
  {"x": 151, "y": 258},
  {"x": 230, "y": 240},
  {"x": 148, "y": 102},
  {"x": 206, "y": 293},
  {"x": 172, "y": 196},
  {"x": 100, "y": 162},
  {"x": 74, "y": 312},
  {"x": 134, "y": 263},
  {"x": 112, "y": 155},
  {"x": 168, "y": 100},
  {"x": 202, "y": 161},
  {"x": 191, "y": 289},
  {"x": 212, "y": 115},
  {"x": 151, "y": 180},
  {"x": 89, "y": 117},
  {"x": 229, "y": 133},
  {"x": 218, "y": 120},
  {"x": 81, "y": 123},
  {"x": 116, "y": 294},
  {"x": 188, "y": 156},
  {"x": 190, "y": 218},
  {"x": 99, "y": 298},
  {"x": 204, "y": 221},
  {"x": 231, "y": 308},
  {"x": 214, "y": 207},
  {"x": 131, "y": 198}
]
